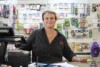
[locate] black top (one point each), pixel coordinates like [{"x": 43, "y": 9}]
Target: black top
[{"x": 48, "y": 52}]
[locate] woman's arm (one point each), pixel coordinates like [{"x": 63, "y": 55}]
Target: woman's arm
[
  {"x": 70, "y": 55},
  {"x": 30, "y": 41}
]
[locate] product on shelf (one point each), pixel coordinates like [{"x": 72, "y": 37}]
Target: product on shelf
[
  {"x": 74, "y": 22},
  {"x": 94, "y": 9},
  {"x": 67, "y": 22},
  {"x": 59, "y": 27},
  {"x": 80, "y": 47}
]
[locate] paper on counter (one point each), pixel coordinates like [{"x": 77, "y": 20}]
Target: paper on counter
[{"x": 62, "y": 64}]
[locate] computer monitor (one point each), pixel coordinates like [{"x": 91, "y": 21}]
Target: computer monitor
[{"x": 6, "y": 31}]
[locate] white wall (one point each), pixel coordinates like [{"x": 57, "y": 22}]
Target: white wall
[
  {"x": 74, "y": 1},
  {"x": 56, "y": 1},
  {"x": 31, "y": 1}
]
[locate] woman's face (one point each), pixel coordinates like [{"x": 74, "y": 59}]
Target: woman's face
[{"x": 49, "y": 20}]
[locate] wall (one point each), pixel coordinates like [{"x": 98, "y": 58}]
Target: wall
[
  {"x": 58, "y": 1},
  {"x": 96, "y": 36},
  {"x": 74, "y": 1},
  {"x": 95, "y": 31},
  {"x": 31, "y": 1}
]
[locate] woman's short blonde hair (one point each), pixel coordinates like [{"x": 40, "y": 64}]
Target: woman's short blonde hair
[{"x": 49, "y": 12}]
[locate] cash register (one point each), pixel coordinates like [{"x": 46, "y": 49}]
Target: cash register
[
  {"x": 5, "y": 33},
  {"x": 14, "y": 58}
]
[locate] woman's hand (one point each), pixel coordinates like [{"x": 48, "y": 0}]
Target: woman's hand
[
  {"x": 84, "y": 60},
  {"x": 77, "y": 59}
]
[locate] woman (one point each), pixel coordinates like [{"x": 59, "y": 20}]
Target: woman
[{"x": 47, "y": 44}]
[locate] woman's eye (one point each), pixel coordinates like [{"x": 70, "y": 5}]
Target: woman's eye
[
  {"x": 47, "y": 18},
  {"x": 51, "y": 18}
]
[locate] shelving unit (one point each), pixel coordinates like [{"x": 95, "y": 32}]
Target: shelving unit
[{"x": 79, "y": 35}]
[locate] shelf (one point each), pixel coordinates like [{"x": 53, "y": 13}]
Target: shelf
[
  {"x": 80, "y": 40},
  {"x": 82, "y": 53}
]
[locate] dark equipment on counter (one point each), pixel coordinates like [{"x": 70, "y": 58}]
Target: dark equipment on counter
[{"x": 15, "y": 59}]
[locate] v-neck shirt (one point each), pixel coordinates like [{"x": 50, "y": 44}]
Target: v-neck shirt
[{"x": 45, "y": 52}]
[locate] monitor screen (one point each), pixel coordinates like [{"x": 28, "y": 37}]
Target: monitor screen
[{"x": 6, "y": 31}]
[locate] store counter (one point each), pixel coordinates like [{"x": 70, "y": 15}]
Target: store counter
[
  {"x": 64, "y": 64},
  {"x": 87, "y": 64},
  {"x": 70, "y": 64}
]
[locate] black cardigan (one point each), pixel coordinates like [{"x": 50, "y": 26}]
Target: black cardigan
[{"x": 45, "y": 52}]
